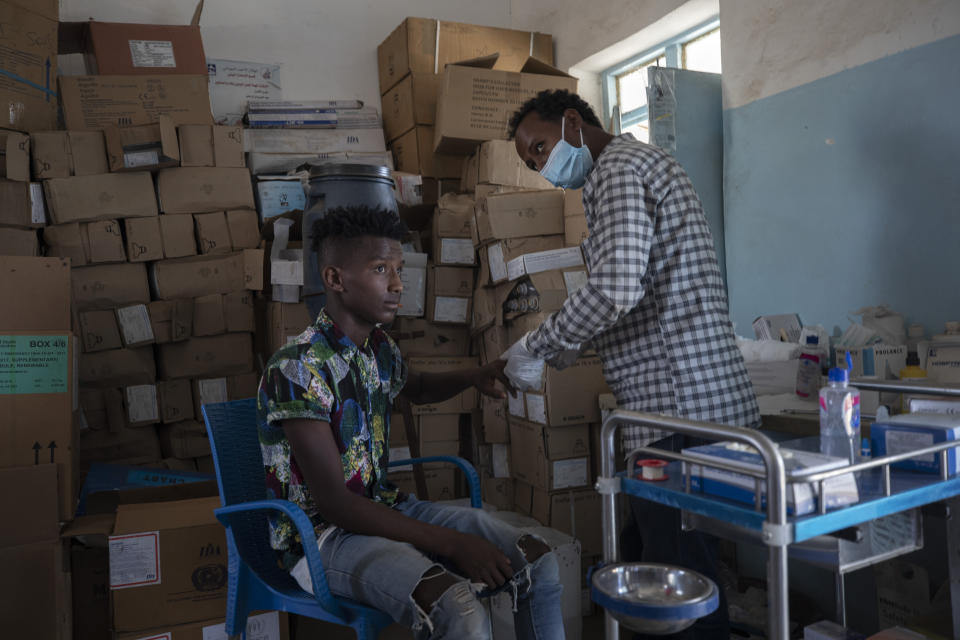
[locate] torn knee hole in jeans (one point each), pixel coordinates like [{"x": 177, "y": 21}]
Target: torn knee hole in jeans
[{"x": 461, "y": 592}]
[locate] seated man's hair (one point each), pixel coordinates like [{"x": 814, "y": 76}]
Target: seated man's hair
[
  {"x": 550, "y": 105},
  {"x": 356, "y": 221}
]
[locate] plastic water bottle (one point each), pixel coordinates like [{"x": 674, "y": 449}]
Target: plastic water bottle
[{"x": 840, "y": 416}]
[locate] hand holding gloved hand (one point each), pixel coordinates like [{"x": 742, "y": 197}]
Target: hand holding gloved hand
[{"x": 524, "y": 370}]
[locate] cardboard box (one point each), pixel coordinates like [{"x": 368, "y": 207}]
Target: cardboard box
[
  {"x": 253, "y": 269},
  {"x": 494, "y": 342},
  {"x": 573, "y": 203},
  {"x": 223, "y": 389},
  {"x": 94, "y": 102},
  {"x": 520, "y": 214},
  {"x": 575, "y": 230},
  {"x": 577, "y": 512},
  {"x": 100, "y": 197},
  {"x": 176, "y": 400},
  {"x": 441, "y": 483},
  {"x": 117, "y": 49},
  {"x": 22, "y": 204},
  {"x": 880, "y": 360},
  {"x": 414, "y": 190},
  {"x": 213, "y": 236},
  {"x": 171, "y": 320},
  {"x": 438, "y": 428},
  {"x": 110, "y": 286},
  {"x": 531, "y": 448},
  {"x": 14, "y": 156},
  {"x": 497, "y": 163},
  {"x": 200, "y": 276},
  {"x": 413, "y": 153},
  {"x": 228, "y": 354},
  {"x": 36, "y": 587},
  {"x": 411, "y": 102},
  {"x": 210, "y": 146},
  {"x": 19, "y": 242},
  {"x": 414, "y": 278},
  {"x": 552, "y": 288},
  {"x": 86, "y": 242},
  {"x": 540, "y": 261},
  {"x": 140, "y": 404},
  {"x": 238, "y": 312},
  {"x": 142, "y": 147},
  {"x": 46, "y": 8},
  {"x": 27, "y": 96},
  {"x": 144, "y": 239},
  {"x": 449, "y": 295},
  {"x": 501, "y": 253},
  {"x": 118, "y": 367},
  {"x": 41, "y": 287},
  {"x": 417, "y": 46},
  {"x": 311, "y": 142},
  {"x": 272, "y": 625},
  {"x": 244, "y": 229},
  {"x": 99, "y": 331},
  {"x": 417, "y": 337},
  {"x": 61, "y": 154},
  {"x": 208, "y": 318},
  {"x": 67, "y": 241},
  {"x": 202, "y": 189},
  {"x": 475, "y": 102},
  {"x": 277, "y": 195},
  {"x": 569, "y": 396},
  {"x": 168, "y": 561},
  {"x": 463, "y": 402},
  {"x": 186, "y": 439},
  {"x": 286, "y": 321},
  {"x": 176, "y": 232},
  {"x": 495, "y": 427}
]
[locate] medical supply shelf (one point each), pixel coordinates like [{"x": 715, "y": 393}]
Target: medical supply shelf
[{"x": 883, "y": 492}]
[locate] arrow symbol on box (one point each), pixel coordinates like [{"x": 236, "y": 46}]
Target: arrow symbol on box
[
  {"x": 52, "y": 446},
  {"x": 36, "y": 452}
]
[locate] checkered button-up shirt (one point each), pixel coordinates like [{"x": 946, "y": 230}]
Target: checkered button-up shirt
[{"x": 654, "y": 306}]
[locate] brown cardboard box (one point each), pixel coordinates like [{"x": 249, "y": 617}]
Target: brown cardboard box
[
  {"x": 500, "y": 253},
  {"x": 495, "y": 427},
  {"x": 213, "y": 235},
  {"x": 171, "y": 320},
  {"x": 416, "y": 46},
  {"x": 201, "y": 189},
  {"x": 550, "y": 458},
  {"x": 179, "y": 572},
  {"x": 212, "y": 390},
  {"x": 570, "y": 395},
  {"x": 210, "y": 146},
  {"x": 35, "y": 508},
  {"x": 553, "y": 288},
  {"x": 144, "y": 240},
  {"x": 208, "y": 319},
  {"x": 583, "y": 519},
  {"x": 177, "y": 234},
  {"x": 453, "y": 219},
  {"x": 573, "y": 203},
  {"x": 46, "y": 8},
  {"x": 438, "y": 428},
  {"x": 441, "y": 483},
  {"x": 520, "y": 214},
  {"x": 475, "y": 102},
  {"x": 142, "y": 147},
  {"x": 118, "y": 367},
  {"x": 135, "y": 326},
  {"x": 99, "y": 331},
  {"x": 41, "y": 289},
  {"x": 28, "y": 97},
  {"x": 253, "y": 269},
  {"x": 110, "y": 286},
  {"x": 61, "y": 154},
  {"x": 101, "y": 409},
  {"x": 488, "y": 304},
  {"x": 575, "y": 230},
  {"x": 285, "y": 321},
  {"x": 14, "y": 156},
  {"x": 494, "y": 341},
  {"x": 497, "y": 491},
  {"x": 115, "y": 48},
  {"x": 126, "y": 445},
  {"x": 176, "y": 400},
  {"x": 35, "y": 583},
  {"x": 103, "y": 241},
  {"x": 417, "y": 337},
  {"x": 411, "y": 102},
  {"x": 100, "y": 197},
  {"x": 499, "y": 164},
  {"x": 195, "y": 277},
  {"x": 94, "y": 102},
  {"x": 19, "y": 242},
  {"x": 449, "y": 295},
  {"x": 413, "y": 153},
  {"x": 66, "y": 241},
  {"x": 272, "y": 625},
  {"x": 141, "y": 405},
  {"x": 184, "y": 440},
  {"x": 22, "y": 204},
  {"x": 463, "y": 402},
  {"x": 205, "y": 357},
  {"x": 238, "y": 314},
  {"x": 244, "y": 227}
]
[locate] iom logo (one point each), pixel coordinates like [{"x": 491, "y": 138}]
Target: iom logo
[{"x": 209, "y": 577}]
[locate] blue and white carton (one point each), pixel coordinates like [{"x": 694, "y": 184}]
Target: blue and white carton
[
  {"x": 912, "y": 431},
  {"x": 839, "y": 491}
]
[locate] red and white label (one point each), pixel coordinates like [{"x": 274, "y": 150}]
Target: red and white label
[{"x": 134, "y": 560}]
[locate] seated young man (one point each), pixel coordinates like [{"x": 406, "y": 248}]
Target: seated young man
[{"x": 324, "y": 422}]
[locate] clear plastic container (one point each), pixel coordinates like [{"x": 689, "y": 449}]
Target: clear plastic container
[{"x": 840, "y": 416}]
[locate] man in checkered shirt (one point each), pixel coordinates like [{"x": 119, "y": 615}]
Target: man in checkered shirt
[{"x": 654, "y": 307}]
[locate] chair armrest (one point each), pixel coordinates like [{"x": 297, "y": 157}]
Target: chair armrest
[
  {"x": 318, "y": 577},
  {"x": 473, "y": 480}
]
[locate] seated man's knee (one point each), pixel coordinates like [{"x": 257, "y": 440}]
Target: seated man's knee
[
  {"x": 433, "y": 584},
  {"x": 532, "y": 548},
  {"x": 451, "y": 607}
]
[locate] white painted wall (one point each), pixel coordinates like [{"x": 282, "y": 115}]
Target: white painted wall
[
  {"x": 328, "y": 48},
  {"x": 770, "y": 46}
]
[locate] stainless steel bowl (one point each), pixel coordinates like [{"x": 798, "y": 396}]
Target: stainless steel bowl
[{"x": 654, "y": 598}]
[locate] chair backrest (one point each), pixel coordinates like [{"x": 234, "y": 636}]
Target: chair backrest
[{"x": 232, "y": 427}]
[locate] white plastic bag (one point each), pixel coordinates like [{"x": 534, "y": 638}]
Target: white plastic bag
[{"x": 524, "y": 370}]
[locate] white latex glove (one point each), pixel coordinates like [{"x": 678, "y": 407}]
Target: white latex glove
[{"x": 524, "y": 369}]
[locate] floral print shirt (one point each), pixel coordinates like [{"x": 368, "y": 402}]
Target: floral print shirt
[{"x": 322, "y": 375}]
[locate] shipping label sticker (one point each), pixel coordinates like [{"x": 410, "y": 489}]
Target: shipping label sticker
[
  {"x": 574, "y": 280},
  {"x": 400, "y": 453},
  {"x": 450, "y": 309},
  {"x": 212, "y": 390},
  {"x": 142, "y": 403},
  {"x": 38, "y": 211},
  {"x": 516, "y": 268},
  {"x": 265, "y": 626},
  {"x": 536, "y": 408},
  {"x": 569, "y": 473},
  {"x": 134, "y": 560},
  {"x": 498, "y": 267},
  {"x": 135, "y": 324},
  {"x": 456, "y": 251},
  {"x": 152, "y": 53},
  {"x": 515, "y": 405},
  {"x": 34, "y": 364},
  {"x": 136, "y": 159}
]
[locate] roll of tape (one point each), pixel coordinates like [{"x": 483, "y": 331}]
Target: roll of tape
[{"x": 652, "y": 470}]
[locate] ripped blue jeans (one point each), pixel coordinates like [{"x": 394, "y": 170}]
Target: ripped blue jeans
[{"x": 384, "y": 573}]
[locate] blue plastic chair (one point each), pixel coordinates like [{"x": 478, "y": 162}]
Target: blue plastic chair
[{"x": 255, "y": 580}]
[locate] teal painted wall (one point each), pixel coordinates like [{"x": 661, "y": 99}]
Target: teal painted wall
[{"x": 845, "y": 192}]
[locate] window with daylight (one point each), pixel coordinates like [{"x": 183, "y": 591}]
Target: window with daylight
[{"x": 625, "y": 84}]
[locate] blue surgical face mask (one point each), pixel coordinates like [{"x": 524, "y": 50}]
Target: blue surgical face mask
[{"x": 568, "y": 165}]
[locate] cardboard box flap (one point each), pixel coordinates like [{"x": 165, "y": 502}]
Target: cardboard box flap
[
  {"x": 100, "y": 524},
  {"x": 532, "y": 65},
  {"x": 134, "y": 518},
  {"x": 483, "y": 62}
]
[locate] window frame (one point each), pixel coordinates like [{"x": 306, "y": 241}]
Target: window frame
[{"x": 672, "y": 49}]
